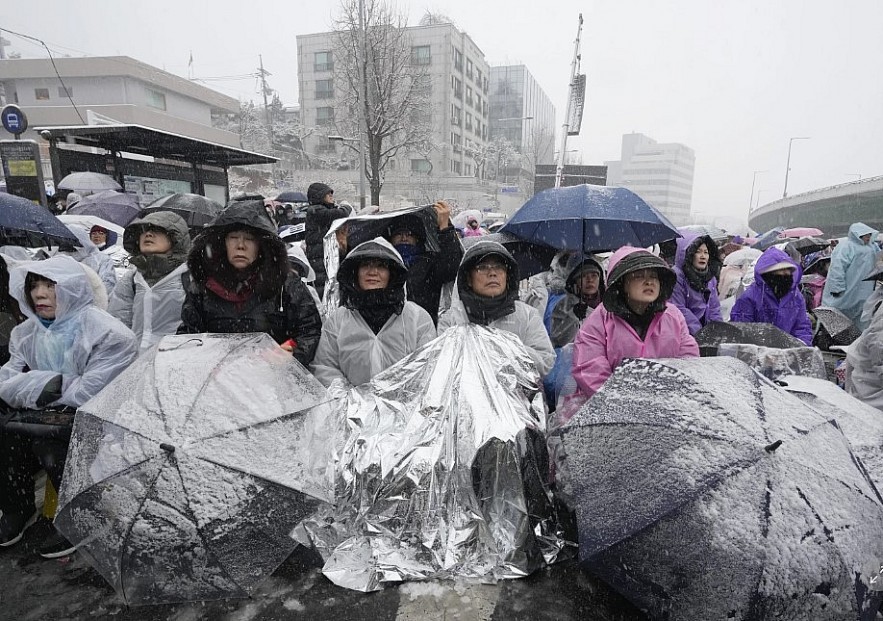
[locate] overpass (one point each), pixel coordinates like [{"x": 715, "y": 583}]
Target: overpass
[{"x": 830, "y": 209}]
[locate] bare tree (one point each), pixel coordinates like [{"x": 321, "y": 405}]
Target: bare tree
[{"x": 383, "y": 88}]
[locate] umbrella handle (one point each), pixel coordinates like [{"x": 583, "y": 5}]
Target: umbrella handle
[
  {"x": 168, "y": 448},
  {"x": 770, "y": 448}
]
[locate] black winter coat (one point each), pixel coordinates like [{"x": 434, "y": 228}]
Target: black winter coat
[
  {"x": 281, "y": 304},
  {"x": 318, "y": 221},
  {"x": 431, "y": 271},
  {"x": 291, "y": 315}
]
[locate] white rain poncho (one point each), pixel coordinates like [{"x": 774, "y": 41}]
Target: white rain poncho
[
  {"x": 90, "y": 255},
  {"x": 350, "y": 351},
  {"x": 84, "y": 345},
  {"x": 864, "y": 363},
  {"x": 152, "y": 312}
]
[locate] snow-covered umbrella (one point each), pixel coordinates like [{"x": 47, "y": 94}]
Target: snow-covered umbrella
[
  {"x": 462, "y": 219},
  {"x": 833, "y": 328},
  {"x": 188, "y": 472},
  {"x": 117, "y": 207},
  {"x": 88, "y": 182},
  {"x": 704, "y": 491}
]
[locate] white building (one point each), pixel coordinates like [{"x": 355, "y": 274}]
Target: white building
[
  {"x": 458, "y": 100},
  {"x": 114, "y": 87},
  {"x": 660, "y": 173},
  {"x": 523, "y": 113}
]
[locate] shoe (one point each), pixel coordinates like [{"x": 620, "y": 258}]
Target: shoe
[
  {"x": 13, "y": 526},
  {"x": 56, "y": 546}
]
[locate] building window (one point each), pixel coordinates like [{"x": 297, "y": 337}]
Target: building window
[
  {"x": 155, "y": 99},
  {"x": 325, "y": 116},
  {"x": 455, "y": 140},
  {"x": 420, "y": 166},
  {"x": 64, "y": 93},
  {"x": 455, "y": 115},
  {"x": 323, "y": 61},
  {"x": 468, "y": 121},
  {"x": 421, "y": 55},
  {"x": 456, "y": 167},
  {"x": 458, "y": 59},
  {"x": 457, "y": 86},
  {"x": 468, "y": 68},
  {"x": 468, "y": 170},
  {"x": 41, "y": 94},
  {"x": 468, "y": 95},
  {"x": 325, "y": 89}
]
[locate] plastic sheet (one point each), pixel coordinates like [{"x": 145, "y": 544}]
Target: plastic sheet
[{"x": 442, "y": 470}]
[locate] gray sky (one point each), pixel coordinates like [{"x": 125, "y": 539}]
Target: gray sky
[{"x": 732, "y": 80}]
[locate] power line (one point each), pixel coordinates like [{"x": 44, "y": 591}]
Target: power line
[{"x": 54, "y": 68}]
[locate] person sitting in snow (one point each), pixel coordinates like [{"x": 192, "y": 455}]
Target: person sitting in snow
[
  {"x": 635, "y": 320},
  {"x": 695, "y": 294},
  {"x": 774, "y": 296}
]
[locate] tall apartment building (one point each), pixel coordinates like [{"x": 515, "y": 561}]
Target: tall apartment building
[
  {"x": 457, "y": 85},
  {"x": 522, "y": 112},
  {"x": 660, "y": 173}
]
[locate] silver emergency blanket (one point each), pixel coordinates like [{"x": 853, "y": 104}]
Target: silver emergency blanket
[
  {"x": 442, "y": 469},
  {"x": 774, "y": 363}
]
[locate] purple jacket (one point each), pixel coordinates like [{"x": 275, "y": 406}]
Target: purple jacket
[
  {"x": 758, "y": 303},
  {"x": 692, "y": 304}
]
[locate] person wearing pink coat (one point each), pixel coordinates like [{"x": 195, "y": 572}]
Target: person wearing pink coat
[{"x": 635, "y": 320}]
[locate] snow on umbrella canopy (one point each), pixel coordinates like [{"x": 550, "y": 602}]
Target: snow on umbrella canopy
[
  {"x": 292, "y": 196},
  {"x": 23, "y": 223},
  {"x": 764, "y": 334},
  {"x": 587, "y": 218},
  {"x": 117, "y": 207},
  {"x": 833, "y": 328},
  {"x": 196, "y": 210},
  {"x": 88, "y": 182},
  {"x": 703, "y": 491},
  {"x": 187, "y": 473}
]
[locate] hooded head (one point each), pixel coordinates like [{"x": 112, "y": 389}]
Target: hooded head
[
  {"x": 686, "y": 251},
  {"x": 208, "y": 256},
  {"x": 73, "y": 293},
  {"x": 858, "y": 230},
  {"x": 297, "y": 259},
  {"x": 170, "y": 223},
  {"x": 627, "y": 260},
  {"x": 579, "y": 264},
  {"x": 483, "y": 309},
  {"x": 95, "y": 233},
  {"x": 377, "y": 249},
  {"x": 86, "y": 246},
  {"x": 317, "y": 192},
  {"x": 774, "y": 260}
]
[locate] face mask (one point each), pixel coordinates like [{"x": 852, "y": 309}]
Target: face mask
[
  {"x": 779, "y": 284},
  {"x": 408, "y": 252}
]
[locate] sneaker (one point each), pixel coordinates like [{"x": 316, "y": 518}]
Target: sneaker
[
  {"x": 13, "y": 526},
  {"x": 56, "y": 546}
]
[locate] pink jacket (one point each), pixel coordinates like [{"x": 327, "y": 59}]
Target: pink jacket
[{"x": 604, "y": 340}]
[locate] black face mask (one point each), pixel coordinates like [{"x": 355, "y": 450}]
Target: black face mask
[{"x": 780, "y": 285}]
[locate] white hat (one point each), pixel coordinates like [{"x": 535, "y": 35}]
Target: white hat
[{"x": 781, "y": 265}]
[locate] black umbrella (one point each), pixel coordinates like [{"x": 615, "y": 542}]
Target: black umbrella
[
  {"x": 807, "y": 245},
  {"x": 196, "y": 210},
  {"x": 292, "y": 196},
  {"x": 532, "y": 258},
  {"x": 23, "y": 223},
  {"x": 363, "y": 228},
  {"x": 833, "y": 328},
  {"x": 703, "y": 491},
  {"x": 763, "y": 334},
  {"x": 189, "y": 471},
  {"x": 117, "y": 207}
]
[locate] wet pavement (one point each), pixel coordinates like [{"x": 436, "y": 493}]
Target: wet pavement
[{"x": 68, "y": 588}]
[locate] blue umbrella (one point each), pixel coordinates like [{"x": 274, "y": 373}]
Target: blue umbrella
[
  {"x": 23, "y": 223},
  {"x": 588, "y": 218},
  {"x": 292, "y": 196},
  {"x": 768, "y": 239}
]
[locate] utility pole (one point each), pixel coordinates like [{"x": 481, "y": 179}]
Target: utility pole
[
  {"x": 265, "y": 89},
  {"x": 363, "y": 100},
  {"x": 574, "y": 65},
  {"x": 3, "y": 44}
]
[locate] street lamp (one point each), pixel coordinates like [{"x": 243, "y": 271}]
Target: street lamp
[
  {"x": 361, "y": 165},
  {"x": 757, "y": 202},
  {"x": 753, "y": 180},
  {"x": 788, "y": 165}
]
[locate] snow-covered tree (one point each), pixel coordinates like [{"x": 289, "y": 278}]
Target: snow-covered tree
[{"x": 383, "y": 90}]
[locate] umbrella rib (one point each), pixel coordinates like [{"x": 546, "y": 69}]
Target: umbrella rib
[
  {"x": 672, "y": 427},
  {"x": 262, "y": 423}
]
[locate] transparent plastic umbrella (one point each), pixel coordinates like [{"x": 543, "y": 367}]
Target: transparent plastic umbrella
[{"x": 187, "y": 473}]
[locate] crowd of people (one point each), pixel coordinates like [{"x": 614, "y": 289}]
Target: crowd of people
[{"x": 396, "y": 292}]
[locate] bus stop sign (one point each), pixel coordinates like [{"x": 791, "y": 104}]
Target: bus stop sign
[{"x": 14, "y": 120}]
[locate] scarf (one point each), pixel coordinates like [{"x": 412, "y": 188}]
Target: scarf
[
  {"x": 155, "y": 267},
  {"x": 779, "y": 284},
  {"x": 584, "y": 304},
  {"x": 408, "y": 252},
  {"x": 640, "y": 323},
  {"x": 484, "y": 310},
  {"x": 376, "y": 306},
  {"x": 698, "y": 280},
  {"x": 239, "y": 296}
]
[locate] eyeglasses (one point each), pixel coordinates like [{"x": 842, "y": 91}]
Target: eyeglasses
[
  {"x": 490, "y": 267},
  {"x": 649, "y": 274}
]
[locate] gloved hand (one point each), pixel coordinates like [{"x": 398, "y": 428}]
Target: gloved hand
[{"x": 51, "y": 392}]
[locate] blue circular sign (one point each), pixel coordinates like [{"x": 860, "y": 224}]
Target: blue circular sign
[{"x": 13, "y": 119}]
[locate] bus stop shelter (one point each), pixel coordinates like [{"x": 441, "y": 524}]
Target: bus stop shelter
[{"x": 146, "y": 161}]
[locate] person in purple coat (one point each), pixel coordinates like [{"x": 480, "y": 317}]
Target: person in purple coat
[
  {"x": 697, "y": 265},
  {"x": 774, "y": 297}
]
